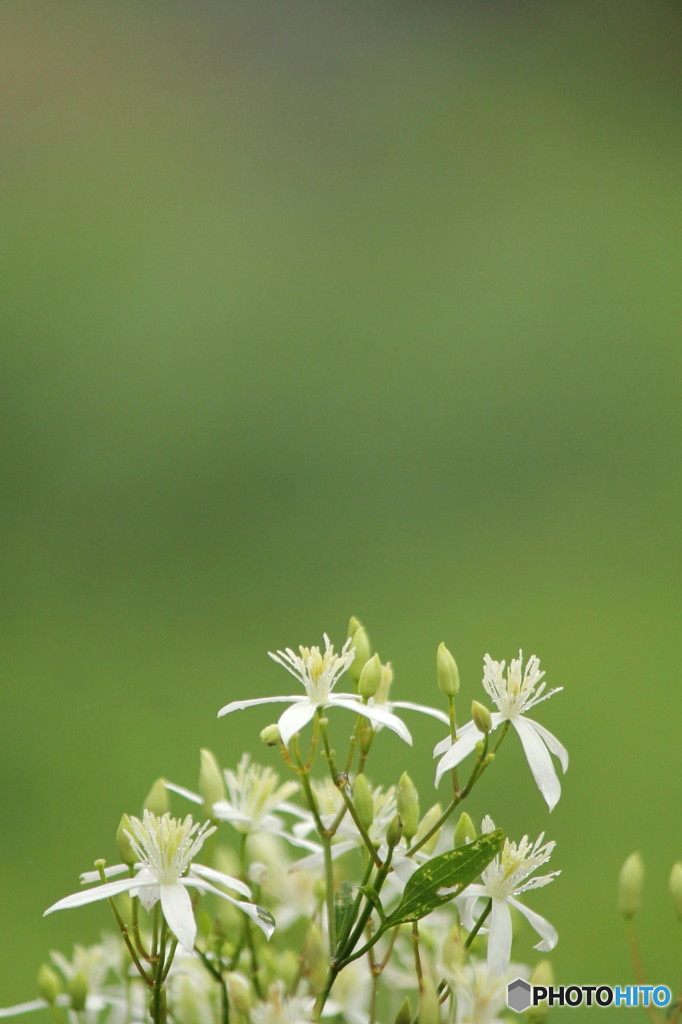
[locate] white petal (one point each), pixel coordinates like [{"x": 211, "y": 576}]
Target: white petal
[
  {"x": 239, "y": 705},
  {"x": 545, "y": 930},
  {"x": 499, "y": 937},
  {"x": 539, "y": 761},
  {"x": 295, "y": 718},
  {"x": 378, "y": 715},
  {"x": 187, "y": 793},
  {"x": 425, "y": 710},
  {"x": 460, "y": 749},
  {"x": 177, "y": 909},
  {"x": 100, "y": 892},
  {"x": 12, "y": 1011},
  {"x": 252, "y": 910},
  {"x": 87, "y": 877},
  {"x": 221, "y": 879},
  {"x": 556, "y": 748}
]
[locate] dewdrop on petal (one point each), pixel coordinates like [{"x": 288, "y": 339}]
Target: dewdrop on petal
[
  {"x": 270, "y": 735},
  {"x": 465, "y": 832},
  {"x": 156, "y": 801},
  {"x": 676, "y": 888},
  {"x": 447, "y": 674},
  {"x": 77, "y": 988},
  {"x": 370, "y": 677},
  {"x": 630, "y": 885},
  {"x": 404, "y": 1014},
  {"x": 542, "y": 976},
  {"x": 211, "y": 782},
  {"x": 407, "y": 800},
  {"x": 481, "y": 717},
  {"x": 363, "y": 801},
  {"x": 49, "y": 986}
]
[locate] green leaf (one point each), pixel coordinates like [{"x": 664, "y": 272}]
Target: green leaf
[{"x": 456, "y": 868}]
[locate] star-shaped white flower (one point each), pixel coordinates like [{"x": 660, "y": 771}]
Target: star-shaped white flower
[
  {"x": 318, "y": 672},
  {"x": 505, "y": 878},
  {"x": 165, "y": 847},
  {"x": 514, "y": 694}
]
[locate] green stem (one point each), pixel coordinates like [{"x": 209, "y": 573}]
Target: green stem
[
  {"x": 340, "y": 780},
  {"x": 123, "y": 928},
  {"x": 216, "y": 974},
  {"x": 158, "y": 998},
  {"x": 479, "y": 924}
]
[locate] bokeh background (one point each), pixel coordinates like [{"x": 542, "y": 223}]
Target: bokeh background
[{"x": 312, "y": 310}]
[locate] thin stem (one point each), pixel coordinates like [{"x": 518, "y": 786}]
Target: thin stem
[
  {"x": 123, "y": 928},
  {"x": 479, "y": 924},
  {"x": 340, "y": 780},
  {"x": 417, "y": 958},
  {"x": 158, "y": 1009},
  {"x": 216, "y": 974},
  {"x": 636, "y": 957}
]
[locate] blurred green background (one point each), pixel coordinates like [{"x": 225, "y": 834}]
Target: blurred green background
[{"x": 316, "y": 309}]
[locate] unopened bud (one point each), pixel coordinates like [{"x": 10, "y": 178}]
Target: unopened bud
[
  {"x": 363, "y": 801},
  {"x": 630, "y": 884},
  {"x": 429, "y": 1004},
  {"x": 454, "y": 951},
  {"x": 156, "y": 800},
  {"x": 465, "y": 832},
  {"x": 404, "y": 1014},
  {"x": 447, "y": 674},
  {"x": 676, "y": 888},
  {"x": 362, "y": 653},
  {"x": 123, "y": 832},
  {"x": 542, "y": 976},
  {"x": 354, "y": 625},
  {"x": 426, "y": 824},
  {"x": 394, "y": 831},
  {"x": 370, "y": 677},
  {"x": 316, "y": 957},
  {"x": 481, "y": 716},
  {"x": 407, "y": 800},
  {"x": 49, "y": 985},
  {"x": 270, "y": 735},
  {"x": 381, "y": 696},
  {"x": 78, "y": 990},
  {"x": 211, "y": 782},
  {"x": 239, "y": 992}
]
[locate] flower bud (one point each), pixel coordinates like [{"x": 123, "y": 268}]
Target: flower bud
[
  {"x": 676, "y": 888},
  {"x": 394, "y": 831},
  {"x": 211, "y": 782},
  {"x": 370, "y": 677},
  {"x": 381, "y": 696},
  {"x": 542, "y": 975},
  {"x": 49, "y": 985},
  {"x": 270, "y": 735},
  {"x": 407, "y": 800},
  {"x": 123, "y": 832},
  {"x": 481, "y": 717},
  {"x": 426, "y": 824},
  {"x": 156, "y": 800},
  {"x": 78, "y": 990},
  {"x": 362, "y": 653},
  {"x": 630, "y": 884},
  {"x": 316, "y": 957},
  {"x": 404, "y": 1014},
  {"x": 354, "y": 625},
  {"x": 446, "y": 672},
  {"x": 363, "y": 801},
  {"x": 454, "y": 951},
  {"x": 429, "y": 1004},
  {"x": 465, "y": 831}
]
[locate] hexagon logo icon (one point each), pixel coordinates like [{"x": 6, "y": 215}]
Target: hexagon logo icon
[{"x": 518, "y": 995}]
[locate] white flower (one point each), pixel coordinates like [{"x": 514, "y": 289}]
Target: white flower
[
  {"x": 480, "y": 993},
  {"x": 381, "y": 699},
  {"x": 318, "y": 672},
  {"x": 165, "y": 847},
  {"x": 505, "y": 878},
  {"x": 282, "y": 1009},
  {"x": 513, "y": 695}
]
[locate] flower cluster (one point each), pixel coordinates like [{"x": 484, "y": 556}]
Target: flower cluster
[{"x": 323, "y": 895}]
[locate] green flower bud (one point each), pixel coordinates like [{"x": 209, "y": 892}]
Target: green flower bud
[
  {"x": 407, "y": 800},
  {"x": 426, "y": 824},
  {"x": 630, "y": 884},
  {"x": 211, "y": 782},
  {"x": 464, "y": 830},
  {"x": 316, "y": 957},
  {"x": 385, "y": 685},
  {"x": 446, "y": 672},
  {"x": 481, "y": 716},
  {"x": 156, "y": 800},
  {"x": 363, "y": 801},
  {"x": 676, "y": 888},
  {"x": 78, "y": 990},
  {"x": 125, "y": 850},
  {"x": 429, "y": 1005},
  {"x": 394, "y": 831},
  {"x": 354, "y": 625},
  {"x": 454, "y": 950},
  {"x": 49, "y": 985},
  {"x": 270, "y": 735},
  {"x": 542, "y": 975},
  {"x": 362, "y": 653},
  {"x": 404, "y": 1014},
  {"x": 370, "y": 677},
  {"x": 239, "y": 992}
]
